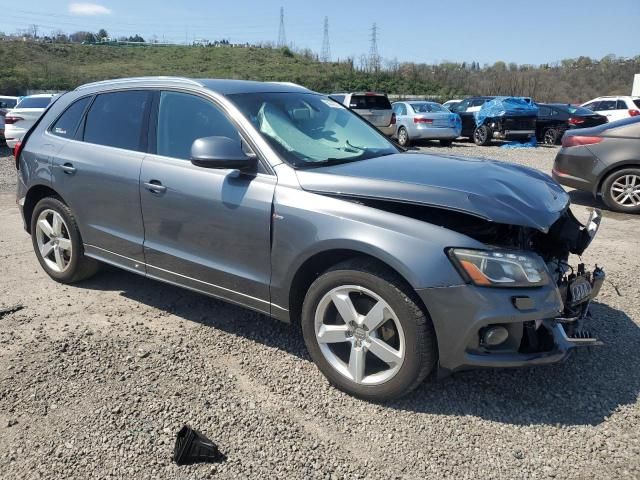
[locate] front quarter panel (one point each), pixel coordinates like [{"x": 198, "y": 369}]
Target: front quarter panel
[{"x": 306, "y": 224}]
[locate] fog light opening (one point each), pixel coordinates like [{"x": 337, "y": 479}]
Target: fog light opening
[{"x": 494, "y": 335}]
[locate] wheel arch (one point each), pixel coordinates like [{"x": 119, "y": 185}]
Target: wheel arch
[
  {"x": 318, "y": 263},
  {"x": 33, "y": 196},
  {"x": 612, "y": 169}
]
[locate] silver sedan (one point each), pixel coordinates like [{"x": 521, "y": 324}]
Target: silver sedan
[{"x": 425, "y": 121}]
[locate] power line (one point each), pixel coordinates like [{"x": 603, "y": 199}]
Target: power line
[
  {"x": 282, "y": 37},
  {"x": 325, "y": 56},
  {"x": 374, "y": 56}
]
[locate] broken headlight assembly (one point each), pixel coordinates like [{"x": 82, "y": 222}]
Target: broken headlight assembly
[{"x": 499, "y": 268}]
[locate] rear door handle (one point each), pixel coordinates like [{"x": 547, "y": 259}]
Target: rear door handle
[
  {"x": 68, "y": 168},
  {"x": 154, "y": 186}
]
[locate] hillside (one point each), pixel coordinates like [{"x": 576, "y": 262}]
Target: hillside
[{"x": 63, "y": 66}]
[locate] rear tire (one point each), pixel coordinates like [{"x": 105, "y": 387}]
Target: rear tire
[
  {"x": 57, "y": 242},
  {"x": 550, "y": 136},
  {"x": 362, "y": 286},
  {"x": 403, "y": 137},
  {"x": 446, "y": 143},
  {"x": 621, "y": 190},
  {"x": 482, "y": 136}
]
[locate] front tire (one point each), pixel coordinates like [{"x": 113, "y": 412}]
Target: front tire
[
  {"x": 57, "y": 242},
  {"x": 482, "y": 136},
  {"x": 365, "y": 330},
  {"x": 621, "y": 190}
]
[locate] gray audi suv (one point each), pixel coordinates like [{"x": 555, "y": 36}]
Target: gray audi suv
[{"x": 279, "y": 199}]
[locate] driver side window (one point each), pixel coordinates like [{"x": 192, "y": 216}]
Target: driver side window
[{"x": 183, "y": 118}]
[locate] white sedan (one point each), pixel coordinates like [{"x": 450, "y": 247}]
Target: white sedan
[{"x": 19, "y": 120}]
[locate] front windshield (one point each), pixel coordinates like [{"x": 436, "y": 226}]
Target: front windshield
[
  {"x": 311, "y": 130},
  {"x": 426, "y": 107}
]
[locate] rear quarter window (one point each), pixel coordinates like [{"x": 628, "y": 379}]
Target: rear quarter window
[
  {"x": 117, "y": 119},
  {"x": 67, "y": 124},
  {"x": 370, "y": 102}
]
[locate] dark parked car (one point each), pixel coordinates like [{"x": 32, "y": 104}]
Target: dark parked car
[
  {"x": 281, "y": 200},
  {"x": 605, "y": 161},
  {"x": 556, "y": 118},
  {"x": 503, "y": 127}
]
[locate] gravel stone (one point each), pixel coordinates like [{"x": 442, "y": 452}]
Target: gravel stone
[{"x": 97, "y": 378}]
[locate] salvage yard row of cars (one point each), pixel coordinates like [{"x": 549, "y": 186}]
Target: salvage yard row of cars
[{"x": 483, "y": 119}]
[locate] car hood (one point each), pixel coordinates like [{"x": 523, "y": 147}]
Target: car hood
[{"x": 493, "y": 190}]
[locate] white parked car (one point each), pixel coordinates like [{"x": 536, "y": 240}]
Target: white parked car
[
  {"x": 373, "y": 107},
  {"x": 6, "y": 104},
  {"x": 19, "y": 120},
  {"x": 614, "y": 108}
]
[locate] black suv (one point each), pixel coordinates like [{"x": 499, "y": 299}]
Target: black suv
[{"x": 505, "y": 127}]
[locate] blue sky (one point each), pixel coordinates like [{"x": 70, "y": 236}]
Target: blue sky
[{"x": 415, "y": 30}]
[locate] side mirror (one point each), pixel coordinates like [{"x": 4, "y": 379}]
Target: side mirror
[{"x": 221, "y": 152}]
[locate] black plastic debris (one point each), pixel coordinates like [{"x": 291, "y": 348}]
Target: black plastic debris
[
  {"x": 9, "y": 310},
  {"x": 193, "y": 447}
]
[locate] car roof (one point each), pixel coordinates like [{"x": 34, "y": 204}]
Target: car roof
[
  {"x": 617, "y": 97},
  {"x": 41, "y": 95},
  {"x": 360, "y": 93},
  {"x": 221, "y": 86}
]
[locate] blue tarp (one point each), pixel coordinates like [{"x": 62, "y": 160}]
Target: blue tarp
[
  {"x": 532, "y": 143},
  {"x": 500, "y": 106}
]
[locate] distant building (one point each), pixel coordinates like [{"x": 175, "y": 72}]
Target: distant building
[{"x": 635, "y": 92}]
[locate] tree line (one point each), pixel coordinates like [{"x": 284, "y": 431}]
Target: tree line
[{"x": 62, "y": 65}]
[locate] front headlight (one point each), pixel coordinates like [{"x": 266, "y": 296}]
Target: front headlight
[{"x": 499, "y": 268}]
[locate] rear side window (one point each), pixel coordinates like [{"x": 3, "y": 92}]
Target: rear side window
[
  {"x": 608, "y": 105},
  {"x": 68, "y": 122},
  {"x": 544, "y": 111},
  {"x": 34, "y": 102},
  {"x": 622, "y": 105},
  {"x": 370, "y": 102},
  {"x": 183, "y": 118},
  {"x": 400, "y": 109},
  {"x": 117, "y": 119}
]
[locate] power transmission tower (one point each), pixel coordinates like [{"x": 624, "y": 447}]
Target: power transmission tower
[
  {"x": 282, "y": 37},
  {"x": 374, "y": 56},
  {"x": 325, "y": 56}
]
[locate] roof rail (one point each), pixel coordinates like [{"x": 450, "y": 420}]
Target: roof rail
[
  {"x": 139, "y": 79},
  {"x": 291, "y": 84}
]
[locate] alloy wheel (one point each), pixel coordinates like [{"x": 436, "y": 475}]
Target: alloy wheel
[
  {"x": 403, "y": 137},
  {"x": 549, "y": 137},
  {"x": 625, "y": 190},
  {"x": 54, "y": 240},
  {"x": 359, "y": 335}
]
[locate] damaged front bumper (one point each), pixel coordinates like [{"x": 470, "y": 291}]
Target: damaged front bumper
[{"x": 534, "y": 326}]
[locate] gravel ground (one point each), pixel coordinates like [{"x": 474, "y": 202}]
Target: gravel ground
[{"x": 96, "y": 379}]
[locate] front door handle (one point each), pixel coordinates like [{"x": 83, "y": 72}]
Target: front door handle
[
  {"x": 154, "y": 186},
  {"x": 68, "y": 168}
]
